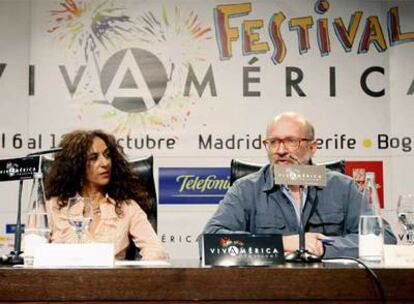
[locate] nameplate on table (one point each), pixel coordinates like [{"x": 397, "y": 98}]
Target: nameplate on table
[
  {"x": 399, "y": 256},
  {"x": 52, "y": 255},
  {"x": 301, "y": 175},
  {"x": 19, "y": 168},
  {"x": 242, "y": 249}
]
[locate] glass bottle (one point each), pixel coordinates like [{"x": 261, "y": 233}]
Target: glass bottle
[
  {"x": 36, "y": 227},
  {"x": 371, "y": 227}
]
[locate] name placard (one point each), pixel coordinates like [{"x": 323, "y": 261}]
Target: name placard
[
  {"x": 55, "y": 255},
  {"x": 399, "y": 256},
  {"x": 301, "y": 175},
  {"x": 19, "y": 168},
  {"x": 242, "y": 250}
]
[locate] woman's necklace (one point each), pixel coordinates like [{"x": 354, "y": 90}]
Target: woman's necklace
[{"x": 96, "y": 209}]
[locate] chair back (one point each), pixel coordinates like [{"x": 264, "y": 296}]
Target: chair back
[
  {"x": 144, "y": 168},
  {"x": 240, "y": 168}
]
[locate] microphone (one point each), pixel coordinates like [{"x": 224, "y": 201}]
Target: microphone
[
  {"x": 297, "y": 175},
  {"x": 295, "y": 158},
  {"x": 50, "y": 151},
  {"x": 21, "y": 168}
]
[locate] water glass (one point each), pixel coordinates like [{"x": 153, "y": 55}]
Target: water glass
[
  {"x": 405, "y": 213},
  {"x": 371, "y": 238},
  {"x": 80, "y": 215}
]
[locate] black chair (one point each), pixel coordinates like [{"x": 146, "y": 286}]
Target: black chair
[
  {"x": 239, "y": 168},
  {"x": 144, "y": 168}
]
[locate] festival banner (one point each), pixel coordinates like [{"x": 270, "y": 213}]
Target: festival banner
[{"x": 194, "y": 83}]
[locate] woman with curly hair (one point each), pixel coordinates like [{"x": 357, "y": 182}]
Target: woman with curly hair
[{"x": 92, "y": 164}]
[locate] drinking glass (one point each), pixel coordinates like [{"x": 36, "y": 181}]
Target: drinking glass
[
  {"x": 405, "y": 213},
  {"x": 80, "y": 215},
  {"x": 371, "y": 238}
]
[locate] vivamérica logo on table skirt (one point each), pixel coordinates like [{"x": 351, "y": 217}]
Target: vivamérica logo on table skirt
[{"x": 234, "y": 247}]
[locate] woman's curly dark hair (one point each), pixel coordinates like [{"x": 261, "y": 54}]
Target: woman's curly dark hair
[{"x": 67, "y": 173}]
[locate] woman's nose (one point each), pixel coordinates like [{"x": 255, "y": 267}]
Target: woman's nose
[{"x": 104, "y": 161}]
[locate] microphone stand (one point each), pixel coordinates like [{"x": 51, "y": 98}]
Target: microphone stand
[
  {"x": 301, "y": 255},
  {"x": 15, "y": 257}
]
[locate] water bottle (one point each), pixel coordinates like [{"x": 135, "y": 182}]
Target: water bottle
[
  {"x": 371, "y": 228},
  {"x": 36, "y": 227}
]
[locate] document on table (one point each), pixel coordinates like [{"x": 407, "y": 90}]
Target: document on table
[{"x": 142, "y": 263}]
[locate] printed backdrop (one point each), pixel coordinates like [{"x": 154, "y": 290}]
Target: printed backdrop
[{"x": 193, "y": 83}]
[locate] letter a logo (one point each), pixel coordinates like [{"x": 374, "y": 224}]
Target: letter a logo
[{"x": 133, "y": 80}]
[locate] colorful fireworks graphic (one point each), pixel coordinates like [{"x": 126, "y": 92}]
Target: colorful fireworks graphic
[
  {"x": 182, "y": 34},
  {"x": 176, "y": 36},
  {"x": 177, "y": 31},
  {"x": 86, "y": 24}
]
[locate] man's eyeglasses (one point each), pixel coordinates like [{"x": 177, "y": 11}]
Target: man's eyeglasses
[{"x": 291, "y": 143}]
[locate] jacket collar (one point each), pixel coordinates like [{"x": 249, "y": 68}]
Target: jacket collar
[
  {"x": 107, "y": 208},
  {"x": 269, "y": 181}
]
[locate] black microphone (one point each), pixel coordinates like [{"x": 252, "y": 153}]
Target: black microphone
[
  {"x": 50, "y": 151},
  {"x": 26, "y": 167},
  {"x": 295, "y": 158},
  {"x": 301, "y": 255}
]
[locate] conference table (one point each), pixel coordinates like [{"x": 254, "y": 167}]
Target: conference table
[{"x": 187, "y": 281}]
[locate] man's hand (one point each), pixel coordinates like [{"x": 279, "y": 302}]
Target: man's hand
[{"x": 313, "y": 243}]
